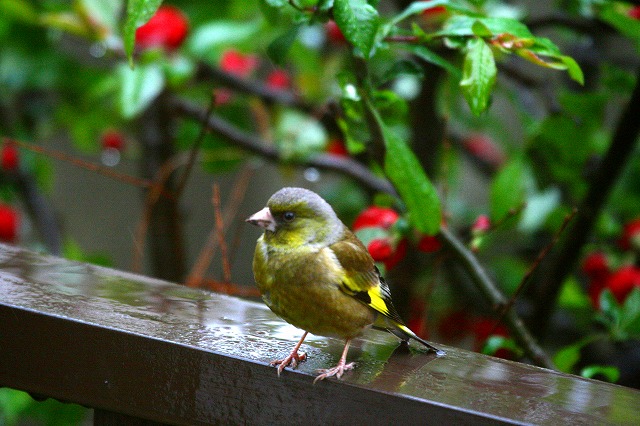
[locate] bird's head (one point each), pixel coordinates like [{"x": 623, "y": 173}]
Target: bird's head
[{"x": 297, "y": 216}]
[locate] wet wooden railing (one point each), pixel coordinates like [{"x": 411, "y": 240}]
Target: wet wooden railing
[{"x": 139, "y": 350}]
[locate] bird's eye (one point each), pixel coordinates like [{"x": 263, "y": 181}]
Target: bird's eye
[{"x": 288, "y": 216}]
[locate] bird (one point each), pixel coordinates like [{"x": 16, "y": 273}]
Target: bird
[{"x": 314, "y": 273}]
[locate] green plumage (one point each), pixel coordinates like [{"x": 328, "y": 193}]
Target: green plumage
[{"x": 314, "y": 272}]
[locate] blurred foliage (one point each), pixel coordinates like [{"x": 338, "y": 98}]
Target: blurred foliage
[
  {"x": 18, "y": 407},
  {"x": 527, "y": 103}
]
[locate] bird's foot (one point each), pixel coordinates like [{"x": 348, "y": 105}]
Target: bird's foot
[
  {"x": 293, "y": 360},
  {"x": 337, "y": 371}
]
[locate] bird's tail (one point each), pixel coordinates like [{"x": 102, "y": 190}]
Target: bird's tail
[{"x": 405, "y": 333}]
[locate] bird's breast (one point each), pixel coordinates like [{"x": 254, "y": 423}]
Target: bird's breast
[{"x": 303, "y": 287}]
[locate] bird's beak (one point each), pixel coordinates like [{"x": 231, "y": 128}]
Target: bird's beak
[{"x": 263, "y": 219}]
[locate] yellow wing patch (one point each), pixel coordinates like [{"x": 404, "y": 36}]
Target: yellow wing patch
[{"x": 377, "y": 301}]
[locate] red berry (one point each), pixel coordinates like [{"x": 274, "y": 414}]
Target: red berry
[
  {"x": 595, "y": 265},
  {"x": 9, "y": 223},
  {"x": 485, "y": 149},
  {"x": 336, "y": 147},
  {"x": 382, "y": 217},
  {"x": 10, "y": 158},
  {"x": 167, "y": 28},
  {"x": 380, "y": 249},
  {"x": 429, "y": 244},
  {"x": 236, "y": 63},
  {"x": 634, "y": 12},
  {"x": 623, "y": 281},
  {"x": 397, "y": 255},
  {"x": 482, "y": 224},
  {"x": 279, "y": 80},
  {"x": 631, "y": 235},
  {"x": 112, "y": 139},
  {"x": 334, "y": 34}
]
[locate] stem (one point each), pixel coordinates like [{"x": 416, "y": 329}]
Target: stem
[
  {"x": 482, "y": 281},
  {"x": 260, "y": 147}
]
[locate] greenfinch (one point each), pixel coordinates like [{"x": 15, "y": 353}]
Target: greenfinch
[{"x": 314, "y": 273}]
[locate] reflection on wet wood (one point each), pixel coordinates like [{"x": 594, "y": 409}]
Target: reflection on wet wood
[{"x": 153, "y": 350}]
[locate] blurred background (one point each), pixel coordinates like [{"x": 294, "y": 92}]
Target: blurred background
[{"x": 519, "y": 120}]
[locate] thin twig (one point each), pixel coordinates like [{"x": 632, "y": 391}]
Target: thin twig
[
  {"x": 196, "y": 276},
  {"x": 527, "y": 276},
  {"x": 93, "y": 167}
]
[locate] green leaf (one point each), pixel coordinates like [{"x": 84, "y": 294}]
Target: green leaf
[
  {"x": 20, "y": 10},
  {"x": 574, "y": 70},
  {"x": 480, "y": 29},
  {"x": 507, "y": 189},
  {"x": 358, "y": 21},
  {"x": 572, "y": 296},
  {"x": 139, "y": 87},
  {"x": 279, "y": 48},
  {"x": 495, "y": 343},
  {"x": 478, "y": 75},
  {"x": 566, "y": 358},
  {"x": 630, "y": 315},
  {"x": 610, "y": 307},
  {"x": 431, "y": 57},
  {"x": 214, "y": 34},
  {"x": 391, "y": 106},
  {"x": 612, "y": 374},
  {"x": 138, "y": 13},
  {"x": 409, "y": 178}
]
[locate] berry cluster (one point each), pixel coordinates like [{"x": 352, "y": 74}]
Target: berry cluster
[
  {"x": 383, "y": 231},
  {"x": 621, "y": 280}
]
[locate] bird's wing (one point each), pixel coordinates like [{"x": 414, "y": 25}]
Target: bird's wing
[{"x": 362, "y": 280}]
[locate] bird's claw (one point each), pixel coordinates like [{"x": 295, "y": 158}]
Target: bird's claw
[
  {"x": 337, "y": 371},
  {"x": 293, "y": 360}
]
